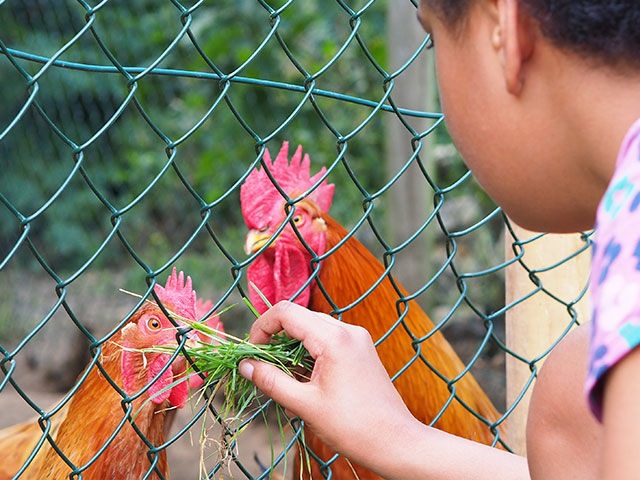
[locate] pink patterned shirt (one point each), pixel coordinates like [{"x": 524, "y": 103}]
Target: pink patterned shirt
[{"x": 615, "y": 271}]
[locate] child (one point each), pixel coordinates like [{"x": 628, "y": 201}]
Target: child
[{"x": 540, "y": 97}]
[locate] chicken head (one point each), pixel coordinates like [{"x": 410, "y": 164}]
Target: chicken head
[{"x": 284, "y": 266}]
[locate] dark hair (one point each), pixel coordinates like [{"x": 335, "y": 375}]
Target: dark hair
[{"x": 604, "y": 30}]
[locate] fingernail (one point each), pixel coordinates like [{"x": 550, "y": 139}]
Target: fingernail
[{"x": 245, "y": 369}]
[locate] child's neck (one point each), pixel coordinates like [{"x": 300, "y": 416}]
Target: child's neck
[{"x": 599, "y": 104}]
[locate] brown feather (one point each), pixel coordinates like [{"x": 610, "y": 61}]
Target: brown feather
[
  {"x": 346, "y": 275},
  {"x": 83, "y": 427}
]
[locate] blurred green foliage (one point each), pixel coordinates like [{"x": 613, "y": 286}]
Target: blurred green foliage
[
  {"x": 125, "y": 157},
  {"x": 123, "y": 154}
]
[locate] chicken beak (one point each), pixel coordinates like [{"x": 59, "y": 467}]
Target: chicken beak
[
  {"x": 255, "y": 241},
  {"x": 192, "y": 342},
  {"x": 180, "y": 363}
]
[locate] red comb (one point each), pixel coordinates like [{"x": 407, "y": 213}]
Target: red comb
[
  {"x": 258, "y": 195},
  {"x": 178, "y": 295}
]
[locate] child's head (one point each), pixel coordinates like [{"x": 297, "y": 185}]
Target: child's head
[
  {"x": 602, "y": 30},
  {"x": 513, "y": 76}
]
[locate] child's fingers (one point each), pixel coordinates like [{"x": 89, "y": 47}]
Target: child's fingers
[
  {"x": 274, "y": 383},
  {"x": 298, "y": 322}
]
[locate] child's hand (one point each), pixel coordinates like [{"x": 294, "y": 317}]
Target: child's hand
[
  {"x": 353, "y": 407},
  {"x": 349, "y": 402}
]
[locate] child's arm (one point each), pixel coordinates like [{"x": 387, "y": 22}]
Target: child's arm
[
  {"x": 564, "y": 440},
  {"x": 621, "y": 419},
  {"x": 351, "y": 404}
]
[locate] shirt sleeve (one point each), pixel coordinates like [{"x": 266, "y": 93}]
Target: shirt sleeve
[{"x": 615, "y": 271}]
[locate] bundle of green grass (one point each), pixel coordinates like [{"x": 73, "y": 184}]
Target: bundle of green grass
[{"x": 217, "y": 362}]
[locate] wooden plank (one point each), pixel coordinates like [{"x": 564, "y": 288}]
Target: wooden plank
[{"x": 534, "y": 325}]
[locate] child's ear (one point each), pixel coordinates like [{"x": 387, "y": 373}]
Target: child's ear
[{"x": 513, "y": 37}]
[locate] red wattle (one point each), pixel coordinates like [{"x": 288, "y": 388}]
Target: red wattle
[
  {"x": 290, "y": 270},
  {"x": 260, "y": 272},
  {"x": 164, "y": 381},
  {"x": 180, "y": 393}
]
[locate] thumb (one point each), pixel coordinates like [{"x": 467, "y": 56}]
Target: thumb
[{"x": 274, "y": 383}]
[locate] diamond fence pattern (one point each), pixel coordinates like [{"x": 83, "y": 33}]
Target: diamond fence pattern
[{"x": 126, "y": 131}]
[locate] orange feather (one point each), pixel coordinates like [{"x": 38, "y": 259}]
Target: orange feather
[
  {"x": 346, "y": 275},
  {"x": 82, "y": 427}
]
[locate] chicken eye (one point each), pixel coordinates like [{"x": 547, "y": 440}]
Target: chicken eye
[
  {"x": 298, "y": 219},
  {"x": 153, "y": 323}
]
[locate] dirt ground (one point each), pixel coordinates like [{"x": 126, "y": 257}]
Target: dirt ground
[
  {"x": 184, "y": 454},
  {"x": 50, "y": 362}
]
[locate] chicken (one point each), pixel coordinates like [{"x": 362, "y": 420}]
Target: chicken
[
  {"x": 410, "y": 348},
  {"x": 82, "y": 429}
]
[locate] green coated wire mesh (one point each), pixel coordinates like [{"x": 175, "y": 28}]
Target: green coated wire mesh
[{"x": 126, "y": 131}]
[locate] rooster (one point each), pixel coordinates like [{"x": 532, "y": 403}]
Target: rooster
[
  {"x": 84, "y": 426},
  {"x": 409, "y": 344}
]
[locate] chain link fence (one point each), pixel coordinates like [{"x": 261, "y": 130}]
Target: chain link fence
[{"x": 126, "y": 131}]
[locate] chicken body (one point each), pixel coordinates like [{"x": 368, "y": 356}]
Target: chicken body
[
  {"x": 346, "y": 275},
  {"x": 91, "y": 430}
]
